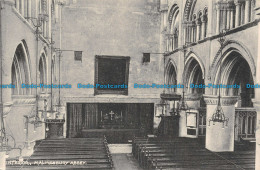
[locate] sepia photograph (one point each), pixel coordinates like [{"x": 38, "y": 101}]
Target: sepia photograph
[{"x": 130, "y": 84}]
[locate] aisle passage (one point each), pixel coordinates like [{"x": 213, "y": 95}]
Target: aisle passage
[
  {"x": 125, "y": 161},
  {"x": 123, "y": 158}
]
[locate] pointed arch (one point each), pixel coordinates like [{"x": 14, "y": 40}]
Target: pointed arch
[
  {"x": 228, "y": 47},
  {"x": 235, "y": 70},
  {"x": 191, "y": 55},
  {"x": 171, "y": 74},
  {"x": 43, "y": 69},
  {"x": 20, "y": 70},
  {"x": 194, "y": 73}
]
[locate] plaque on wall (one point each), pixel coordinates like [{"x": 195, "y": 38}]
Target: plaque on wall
[{"x": 191, "y": 119}]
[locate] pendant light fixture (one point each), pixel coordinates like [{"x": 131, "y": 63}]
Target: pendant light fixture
[
  {"x": 218, "y": 115},
  {"x": 183, "y": 106}
]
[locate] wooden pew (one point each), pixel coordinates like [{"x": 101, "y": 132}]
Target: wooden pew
[
  {"x": 91, "y": 153},
  {"x": 187, "y": 154}
]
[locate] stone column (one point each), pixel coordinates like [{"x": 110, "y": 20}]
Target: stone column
[
  {"x": 199, "y": 35},
  {"x": 29, "y": 8},
  {"x": 22, "y": 7},
  {"x": 228, "y": 17},
  {"x": 203, "y": 26},
  {"x": 2, "y": 160},
  {"x": 36, "y": 8},
  {"x": 232, "y": 18},
  {"x": 247, "y": 11},
  {"x": 193, "y": 102},
  {"x": 224, "y": 18},
  {"x": 17, "y": 5},
  {"x": 184, "y": 33},
  {"x": 3, "y": 111},
  {"x": 191, "y": 33},
  {"x": 238, "y": 13},
  {"x": 219, "y": 139},
  {"x": 257, "y": 92},
  {"x": 218, "y": 19}
]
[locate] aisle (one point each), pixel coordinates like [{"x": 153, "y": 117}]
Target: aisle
[
  {"x": 125, "y": 161},
  {"x": 122, "y": 157}
]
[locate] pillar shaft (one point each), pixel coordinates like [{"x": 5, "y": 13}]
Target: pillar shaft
[
  {"x": 29, "y": 8},
  {"x": 22, "y": 7},
  {"x": 198, "y": 36},
  {"x": 238, "y": 14},
  {"x": 218, "y": 19},
  {"x": 257, "y": 94},
  {"x": 2, "y": 160},
  {"x": 219, "y": 139},
  {"x": 231, "y": 18},
  {"x": 228, "y": 19},
  {"x": 17, "y": 5},
  {"x": 247, "y": 11},
  {"x": 224, "y": 19}
]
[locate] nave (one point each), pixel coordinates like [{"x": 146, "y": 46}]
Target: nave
[{"x": 151, "y": 153}]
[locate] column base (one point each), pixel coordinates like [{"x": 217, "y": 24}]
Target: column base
[{"x": 2, "y": 160}]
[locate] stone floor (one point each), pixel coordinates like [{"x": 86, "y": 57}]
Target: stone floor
[{"x": 122, "y": 157}]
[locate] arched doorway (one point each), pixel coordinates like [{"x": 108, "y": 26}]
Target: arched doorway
[{"x": 20, "y": 70}]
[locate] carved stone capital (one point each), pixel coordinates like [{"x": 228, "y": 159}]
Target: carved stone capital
[
  {"x": 237, "y": 2},
  {"x": 224, "y": 100}
]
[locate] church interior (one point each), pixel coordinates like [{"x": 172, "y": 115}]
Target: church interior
[{"x": 130, "y": 84}]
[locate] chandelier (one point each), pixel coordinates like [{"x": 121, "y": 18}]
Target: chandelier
[
  {"x": 183, "y": 105},
  {"x": 218, "y": 115}
]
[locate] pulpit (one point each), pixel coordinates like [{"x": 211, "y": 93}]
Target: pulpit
[
  {"x": 54, "y": 128},
  {"x": 169, "y": 126}
]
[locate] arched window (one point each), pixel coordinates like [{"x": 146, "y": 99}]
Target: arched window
[
  {"x": 173, "y": 36},
  {"x": 20, "y": 71}
]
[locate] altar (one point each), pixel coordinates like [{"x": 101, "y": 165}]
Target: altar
[{"x": 119, "y": 122}]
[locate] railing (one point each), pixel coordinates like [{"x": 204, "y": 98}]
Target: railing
[{"x": 245, "y": 123}]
